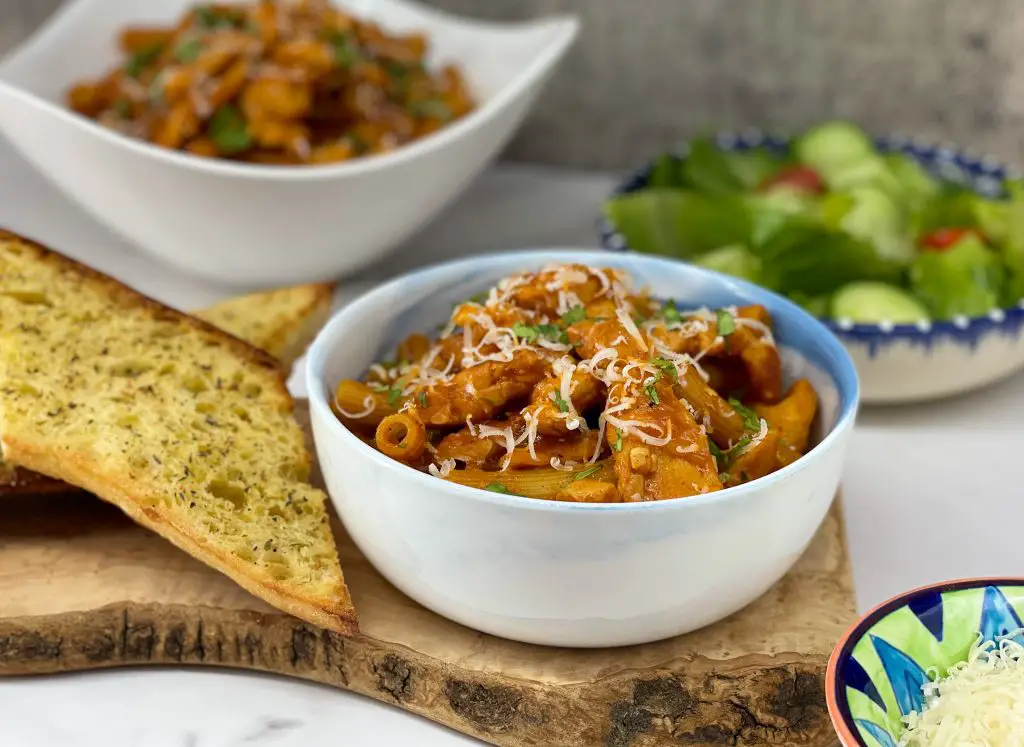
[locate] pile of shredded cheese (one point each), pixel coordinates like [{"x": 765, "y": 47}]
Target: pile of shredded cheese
[{"x": 979, "y": 703}]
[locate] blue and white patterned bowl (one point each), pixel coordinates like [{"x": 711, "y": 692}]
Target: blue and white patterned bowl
[
  {"x": 900, "y": 363},
  {"x": 875, "y": 675}
]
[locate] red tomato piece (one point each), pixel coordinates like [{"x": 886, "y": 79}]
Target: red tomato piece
[
  {"x": 800, "y": 178},
  {"x": 942, "y": 239}
]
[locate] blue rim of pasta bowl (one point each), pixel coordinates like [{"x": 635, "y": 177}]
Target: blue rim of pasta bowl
[
  {"x": 983, "y": 174},
  {"x": 845, "y": 378},
  {"x": 837, "y": 679}
]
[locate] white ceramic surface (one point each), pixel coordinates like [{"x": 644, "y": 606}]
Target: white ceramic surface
[
  {"x": 259, "y": 225},
  {"x": 561, "y": 573},
  {"x": 948, "y": 359}
]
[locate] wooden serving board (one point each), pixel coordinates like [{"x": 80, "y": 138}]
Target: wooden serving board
[{"x": 81, "y": 587}]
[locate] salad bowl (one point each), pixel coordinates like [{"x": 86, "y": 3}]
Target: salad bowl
[
  {"x": 564, "y": 573},
  {"x": 251, "y": 224},
  {"x": 875, "y": 675},
  {"x": 899, "y": 362}
]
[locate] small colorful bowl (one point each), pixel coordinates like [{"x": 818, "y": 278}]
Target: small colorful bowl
[
  {"x": 902, "y": 363},
  {"x": 875, "y": 675}
]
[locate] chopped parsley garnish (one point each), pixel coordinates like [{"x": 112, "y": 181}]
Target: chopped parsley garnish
[
  {"x": 431, "y": 109},
  {"x": 652, "y": 394},
  {"x": 664, "y": 365},
  {"x": 525, "y": 332},
  {"x": 394, "y": 394},
  {"x": 739, "y": 446},
  {"x": 497, "y": 487},
  {"x": 228, "y": 130},
  {"x": 584, "y": 474},
  {"x": 563, "y": 406},
  {"x": 530, "y": 334},
  {"x": 142, "y": 59},
  {"x": 377, "y": 386},
  {"x": 724, "y": 459},
  {"x": 573, "y": 315},
  {"x": 726, "y": 324},
  {"x": 123, "y": 107},
  {"x": 618, "y": 440},
  {"x": 187, "y": 51},
  {"x": 751, "y": 421},
  {"x": 346, "y": 49},
  {"x": 422, "y": 399},
  {"x": 480, "y": 298},
  {"x": 670, "y": 313},
  {"x": 209, "y": 17}
]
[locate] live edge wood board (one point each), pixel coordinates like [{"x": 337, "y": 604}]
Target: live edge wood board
[{"x": 81, "y": 587}]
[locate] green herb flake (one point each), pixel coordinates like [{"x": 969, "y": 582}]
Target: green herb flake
[
  {"x": 394, "y": 394},
  {"x": 123, "y": 108},
  {"x": 480, "y": 298},
  {"x": 584, "y": 474},
  {"x": 717, "y": 453},
  {"x": 553, "y": 331},
  {"x": 652, "y": 394},
  {"x": 210, "y": 18},
  {"x": 525, "y": 332},
  {"x": 227, "y": 128},
  {"x": 670, "y": 313},
  {"x": 497, "y": 487},
  {"x": 573, "y": 315},
  {"x": 431, "y": 109},
  {"x": 422, "y": 399},
  {"x": 346, "y": 49},
  {"x": 142, "y": 59},
  {"x": 664, "y": 365},
  {"x": 726, "y": 323},
  {"x": 188, "y": 50},
  {"x": 751, "y": 420},
  {"x": 563, "y": 406},
  {"x": 618, "y": 440}
]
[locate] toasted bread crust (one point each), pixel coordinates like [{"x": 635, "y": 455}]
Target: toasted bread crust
[{"x": 335, "y": 613}]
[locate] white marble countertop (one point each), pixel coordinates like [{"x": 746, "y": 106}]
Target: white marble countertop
[{"x": 930, "y": 492}]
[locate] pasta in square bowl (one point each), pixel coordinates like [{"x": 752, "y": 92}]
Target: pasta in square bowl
[
  {"x": 580, "y": 426},
  {"x": 266, "y": 143}
]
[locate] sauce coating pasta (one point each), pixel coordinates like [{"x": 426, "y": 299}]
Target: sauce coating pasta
[
  {"x": 274, "y": 82},
  {"x": 565, "y": 384}
]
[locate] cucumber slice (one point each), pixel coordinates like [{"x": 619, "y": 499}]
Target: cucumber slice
[
  {"x": 832, "y": 147},
  {"x": 875, "y": 218},
  {"x": 872, "y": 303},
  {"x": 872, "y": 173}
]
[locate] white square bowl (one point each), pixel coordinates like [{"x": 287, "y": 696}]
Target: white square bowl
[{"x": 250, "y": 224}]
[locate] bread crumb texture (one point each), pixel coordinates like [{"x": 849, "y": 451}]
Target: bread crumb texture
[{"x": 187, "y": 429}]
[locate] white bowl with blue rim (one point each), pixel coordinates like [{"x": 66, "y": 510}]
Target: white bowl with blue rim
[
  {"x": 251, "y": 224},
  {"x": 903, "y": 363},
  {"x": 570, "y": 574}
]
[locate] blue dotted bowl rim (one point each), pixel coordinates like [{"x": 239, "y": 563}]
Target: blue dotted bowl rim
[
  {"x": 984, "y": 174},
  {"x": 834, "y": 671}
]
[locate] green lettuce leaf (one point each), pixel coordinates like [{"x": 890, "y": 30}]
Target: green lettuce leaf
[
  {"x": 735, "y": 260},
  {"x": 965, "y": 279},
  {"x": 679, "y": 223}
]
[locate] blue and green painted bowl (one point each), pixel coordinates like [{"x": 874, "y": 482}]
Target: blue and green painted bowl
[{"x": 876, "y": 672}]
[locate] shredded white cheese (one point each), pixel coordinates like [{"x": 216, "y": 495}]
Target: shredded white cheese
[
  {"x": 447, "y": 465},
  {"x": 368, "y": 403},
  {"x": 979, "y": 703}
]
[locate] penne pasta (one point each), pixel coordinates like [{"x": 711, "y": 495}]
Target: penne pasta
[
  {"x": 533, "y": 483},
  {"x": 563, "y": 385}
]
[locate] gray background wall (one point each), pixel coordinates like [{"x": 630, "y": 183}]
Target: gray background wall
[{"x": 648, "y": 72}]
